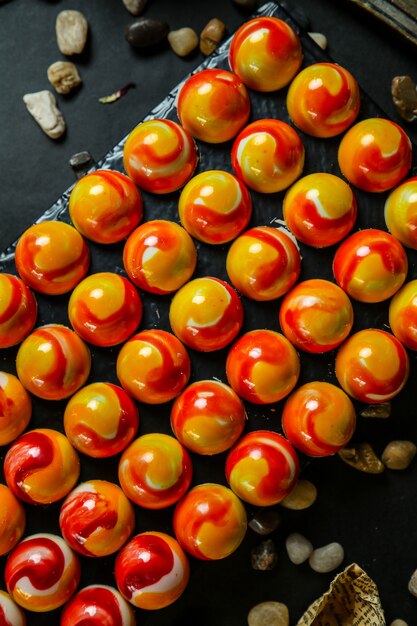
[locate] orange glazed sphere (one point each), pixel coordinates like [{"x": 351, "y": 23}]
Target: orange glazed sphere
[
  {"x": 320, "y": 209},
  {"x": 105, "y": 206},
  {"x": 160, "y": 156},
  {"x": 263, "y": 263},
  {"x": 265, "y": 53},
  {"x": 52, "y": 257},
  {"x": 403, "y": 315},
  {"x": 18, "y": 310},
  {"x": 97, "y": 605},
  {"x": 15, "y": 408},
  {"x": 375, "y": 154},
  {"x": 372, "y": 366},
  {"x": 105, "y": 309},
  {"x": 12, "y": 522},
  {"x": 210, "y": 522},
  {"x": 153, "y": 366},
  {"x": 214, "y": 207},
  {"x": 319, "y": 419},
  {"x": 370, "y": 265},
  {"x": 53, "y": 362},
  {"x": 323, "y": 100},
  {"x": 262, "y": 367},
  {"x": 268, "y": 156},
  {"x": 10, "y": 611},
  {"x": 159, "y": 257},
  {"x": 401, "y": 213},
  {"x": 213, "y": 105}
]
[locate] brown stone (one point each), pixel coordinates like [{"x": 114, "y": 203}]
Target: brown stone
[
  {"x": 211, "y": 36},
  {"x": 404, "y": 96},
  {"x": 183, "y": 41},
  {"x": 362, "y": 457},
  {"x": 301, "y": 497},
  {"x": 64, "y": 76},
  {"x": 398, "y": 454}
]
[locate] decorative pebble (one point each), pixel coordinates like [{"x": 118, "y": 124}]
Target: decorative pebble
[
  {"x": 71, "y": 32},
  {"x": 64, "y": 76},
  {"x": 81, "y": 162},
  {"x": 183, "y": 41},
  {"x": 146, "y": 32},
  {"x": 301, "y": 497},
  {"x": 42, "y": 106},
  {"x": 246, "y": 5},
  {"x": 404, "y": 96},
  {"x": 362, "y": 457},
  {"x": 269, "y": 614},
  {"x": 135, "y": 7},
  {"x": 398, "y": 454},
  {"x": 399, "y": 622},
  {"x": 264, "y": 556},
  {"x": 327, "y": 558},
  {"x": 299, "y": 548},
  {"x": 211, "y": 36},
  {"x": 412, "y": 585},
  {"x": 320, "y": 39},
  {"x": 265, "y": 521},
  {"x": 381, "y": 411}
]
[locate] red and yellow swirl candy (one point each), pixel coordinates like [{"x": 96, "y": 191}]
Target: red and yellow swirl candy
[
  {"x": 213, "y": 105},
  {"x": 101, "y": 420},
  {"x": 375, "y": 154},
  {"x": 268, "y": 156},
  {"x": 319, "y": 419},
  {"x": 152, "y": 570},
  {"x": 320, "y": 209},
  {"x": 370, "y": 265},
  {"x": 153, "y": 366},
  {"x": 98, "y": 605},
  {"x": 323, "y": 100},
  {"x": 10, "y": 613},
  {"x": 401, "y": 213},
  {"x": 265, "y": 53},
  {"x": 372, "y": 366},
  {"x": 263, "y": 263},
  {"x": 159, "y": 256},
  {"x": 52, "y": 257},
  {"x": 155, "y": 471},
  {"x": 41, "y": 466},
  {"x": 42, "y": 573},
  {"x": 18, "y": 310},
  {"x": 403, "y": 315},
  {"x": 208, "y": 417},
  {"x": 15, "y": 408},
  {"x": 160, "y": 156},
  {"x": 210, "y": 522},
  {"x": 262, "y": 468},
  {"x": 206, "y": 314},
  {"x": 262, "y": 367},
  {"x": 316, "y": 316},
  {"x": 96, "y": 518},
  {"x": 12, "y": 522},
  {"x": 105, "y": 309},
  {"x": 214, "y": 207}
]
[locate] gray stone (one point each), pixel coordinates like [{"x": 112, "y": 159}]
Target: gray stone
[
  {"x": 135, "y": 7},
  {"x": 81, "y": 163},
  {"x": 412, "y": 585},
  {"x": 404, "y": 96},
  {"x": 64, "y": 76},
  {"x": 146, "y": 32},
  {"x": 42, "y": 106},
  {"x": 265, "y": 521},
  {"x": 183, "y": 41},
  {"x": 327, "y": 558},
  {"x": 71, "y": 32},
  {"x": 320, "y": 39},
  {"x": 211, "y": 36},
  {"x": 398, "y": 454},
  {"x": 269, "y": 614},
  {"x": 264, "y": 556},
  {"x": 299, "y": 548}
]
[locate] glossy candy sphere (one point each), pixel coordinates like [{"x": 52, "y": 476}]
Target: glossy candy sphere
[
  {"x": 262, "y": 468},
  {"x": 159, "y": 257},
  {"x": 316, "y": 316},
  {"x": 52, "y": 257},
  {"x": 318, "y": 419},
  {"x": 15, "y": 408},
  {"x": 160, "y": 156},
  {"x": 268, "y": 156},
  {"x": 53, "y": 362},
  {"x": 100, "y": 420},
  {"x": 401, "y": 213},
  {"x": 370, "y": 265},
  {"x": 97, "y": 605},
  {"x": 153, "y": 366},
  {"x": 375, "y": 154},
  {"x": 155, "y": 471},
  {"x": 323, "y": 100},
  {"x": 12, "y": 521},
  {"x": 214, "y": 207},
  {"x": 372, "y": 366},
  {"x": 263, "y": 263},
  {"x": 96, "y": 518},
  {"x": 206, "y": 314},
  {"x": 210, "y": 522},
  {"x": 265, "y": 53},
  {"x": 18, "y": 310},
  {"x": 403, "y": 315},
  {"x": 320, "y": 209},
  {"x": 41, "y": 466},
  {"x": 213, "y": 105},
  {"x": 262, "y": 367},
  {"x": 152, "y": 570},
  {"x": 42, "y": 573},
  {"x": 10, "y": 613},
  {"x": 105, "y": 206},
  {"x": 105, "y": 309},
  {"x": 208, "y": 417}
]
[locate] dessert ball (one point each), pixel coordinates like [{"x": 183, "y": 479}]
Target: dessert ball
[{"x": 18, "y": 310}]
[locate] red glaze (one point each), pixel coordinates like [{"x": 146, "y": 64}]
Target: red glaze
[
  {"x": 18, "y": 310},
  {"x": 12, "y": 522},
  {"x": 403, "y": 315},
  {"x": 97, "y": 605},
  {"x": 15, "y": 408},
  {"x": 262, "y": 468},
  {"x": 10, "y": 613}
]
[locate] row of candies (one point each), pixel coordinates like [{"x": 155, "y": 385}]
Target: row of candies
[{"x": 53, "y": 362}]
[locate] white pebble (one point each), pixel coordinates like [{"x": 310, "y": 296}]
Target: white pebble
[
  {"x": 71, "y": 32},
  {"x": 42, "y": 106},
  {"x": 320, "y": 39},
  {"x": 299, "y": 548},
  {"x": 327, "y": 558},
  {"x": 412, "y": 585},
  {"x": 399, "y": 622}
]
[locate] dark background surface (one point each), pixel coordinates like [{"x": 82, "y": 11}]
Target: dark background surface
[{"x": 372, "y": 516}]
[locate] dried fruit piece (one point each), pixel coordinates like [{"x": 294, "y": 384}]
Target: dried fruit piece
[
  {"x": 211, "y": 36},
  {"x": 362, "y": 457},
  {"x": 64, "y": 76},
  {"x": 117, "y": 94},
  {"x": 398, "y": 454},
  {"x": 42, "y": 106},
  {"x": 301, "y": 497},
  {"x": 381, "y": 411},
  {"x": 404, "y": 96},
  {"x": 71, "y": 32}
]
